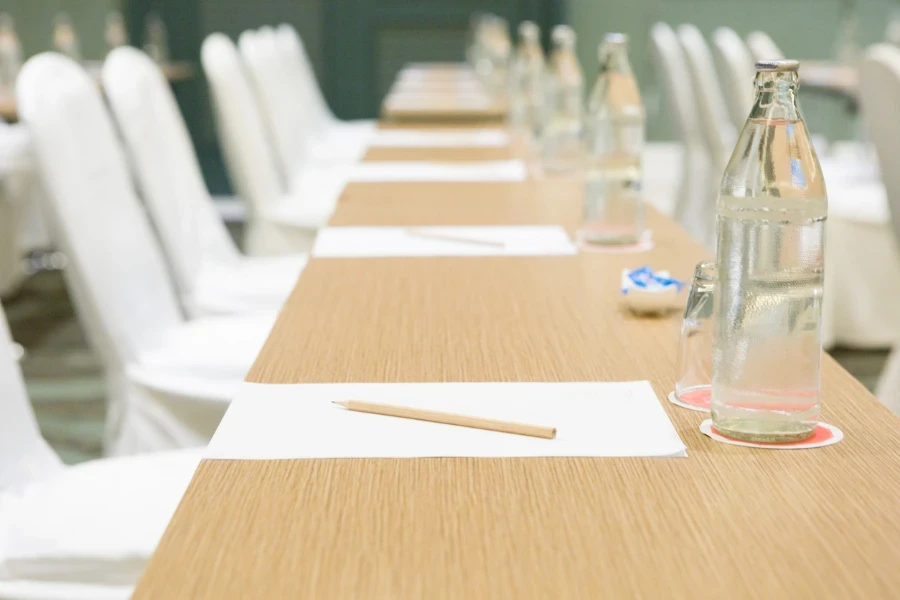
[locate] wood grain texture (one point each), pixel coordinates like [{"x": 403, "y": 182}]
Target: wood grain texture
[{"x": 727, "y": 522}]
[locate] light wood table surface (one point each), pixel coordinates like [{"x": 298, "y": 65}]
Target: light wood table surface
[{"x": 726, "y": 522}]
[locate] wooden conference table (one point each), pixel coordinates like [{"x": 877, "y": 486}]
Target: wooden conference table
[{"x": 726, "y": 522}]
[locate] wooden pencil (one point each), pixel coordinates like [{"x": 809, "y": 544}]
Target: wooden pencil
[
  {"x": 452, "y": 238},
  {"x": 419, "y": 414}
]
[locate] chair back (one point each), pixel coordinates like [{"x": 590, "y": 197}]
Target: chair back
[
  {"x": 763, "y": 47},
  {"x": 718, "y": 132},
  {"x": 282, "y": 112},
  {"x": 302, "y": 76},
  {"x": 249, "y": 154},
  {"x": 165, "y": 165},
  {"x": 24, "y": 455},
  {"x": 879, "y": 99},
  {"x": 738, "y": 73},
  {"x": 117, "y": 274}
]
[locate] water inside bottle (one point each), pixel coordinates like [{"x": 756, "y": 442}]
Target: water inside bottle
[{"x": 768, "y": 342}]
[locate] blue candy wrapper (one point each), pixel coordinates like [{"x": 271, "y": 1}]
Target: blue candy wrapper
[{"x": 646, "y": 279}]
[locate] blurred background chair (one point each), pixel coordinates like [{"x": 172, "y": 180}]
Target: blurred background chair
[
  {"x": 75, "y": 532},
  {"x": 736, "y": 67},
  {"x": 880, "y": 97},
  {"x": 281, "y": 219},
  {"x": 719, "y": 135},
  {"x": 212, "y": 276},
  {"x": 168, "y": 379}
]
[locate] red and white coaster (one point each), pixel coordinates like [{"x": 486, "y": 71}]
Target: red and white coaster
[
  {"x": 644, "y": 245},
  {"x": 693, "y": 400},
  {"x": 825, "y": 435}
]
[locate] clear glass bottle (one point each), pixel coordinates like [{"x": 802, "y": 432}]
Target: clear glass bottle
[
  {"x": 561, "y": 133},
  {"x": 614, "y": 137},
  {"x": 695, "y": 353},
  {"x": 526, "y": 79},
  {"x": 770, "y": 227}
]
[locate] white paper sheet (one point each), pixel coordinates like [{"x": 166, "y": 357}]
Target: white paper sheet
[
  {"x": 490, "y": 170},
  {"x": 508, "y": 240},
  {"x": 300, "y": 421},
  {"x": 424, "y": 138}
]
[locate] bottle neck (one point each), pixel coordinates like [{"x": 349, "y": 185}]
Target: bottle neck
[
  {"x": 776, "y": 96},
  {"x": 614, "y": 59}
]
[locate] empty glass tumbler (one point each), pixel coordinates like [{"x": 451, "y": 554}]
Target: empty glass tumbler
[
  {"x": 770, "y": 223},
  {"x": 614, "y": 137},
  {"x": 562, "y": 148},
  {"x": 695, "y": 352}
]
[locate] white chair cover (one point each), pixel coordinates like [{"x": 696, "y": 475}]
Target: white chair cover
[
  {"x": 252, "y": 163},
  {"x": 880, "y": 97},
  {"x": 167, "y": 168},
  {"x": 210, "y": 273},
  {"x": 694, "y": 205},
  {"x": 719, "y": 134},
  {"x": 117, "y": 275},
  {"x": 763, "y": 47},
  {"x": 75, "y": 532},
  {"x": 283, "y": 115},
  {"x": 738, "y": 73}
]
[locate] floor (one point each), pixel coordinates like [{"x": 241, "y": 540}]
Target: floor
[{"x": 64, "y": 376}]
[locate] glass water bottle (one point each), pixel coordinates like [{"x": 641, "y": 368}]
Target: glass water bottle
[
  {"x": 614, "y": 136},
  {"x": 561, "y": 144},
  {"x": 770, "y": 227},
  {"x": 526, "y": 91}
]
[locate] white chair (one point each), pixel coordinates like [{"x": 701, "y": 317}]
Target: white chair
[
  {"x": 302, "y": 78},
  {"x": 763, "y": 47},
  {"x": 75, "y": 532},
  {"x": 693, "y": 204},
  {"x": 210, "y": 274},
  {"x": 738, "y": 73},
  {"x": 719, "y": 134},
  {"x": 299, "y": 138},
  {"x": 880, "y": 97},
  {"x": 283, "y": 218},
  {"x": 168, "y": 380}
]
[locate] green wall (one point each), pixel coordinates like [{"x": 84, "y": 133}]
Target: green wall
[
  {"x": 802, "y": 28},
  {"x": 34, "y": 22}
]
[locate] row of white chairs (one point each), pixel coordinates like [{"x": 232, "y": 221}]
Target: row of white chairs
[
  {"x": 286, "y": 152},
  {"x": 176, "y": 317},
  {"x": 710, "y": 106}
]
